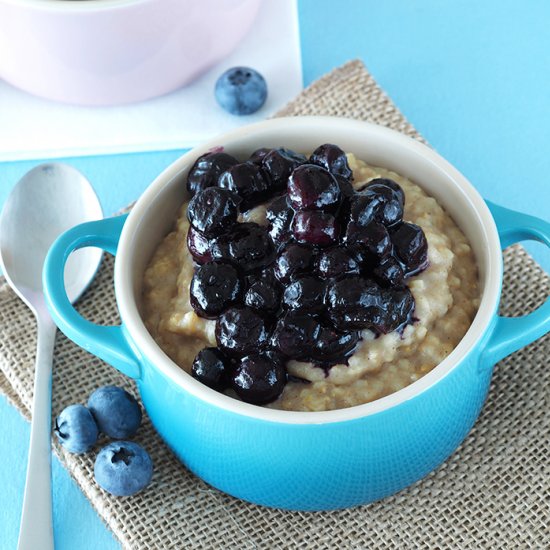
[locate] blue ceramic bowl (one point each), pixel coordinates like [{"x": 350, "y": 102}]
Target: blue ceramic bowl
[{"x": 297, "y": 460}]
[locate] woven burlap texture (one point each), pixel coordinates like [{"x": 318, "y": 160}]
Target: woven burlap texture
[{"x": 491, "y": 493}]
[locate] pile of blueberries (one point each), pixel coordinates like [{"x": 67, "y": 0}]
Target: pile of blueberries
[
  {"x": 122, "y": 467},
  {"x": 331, "y": 262}
]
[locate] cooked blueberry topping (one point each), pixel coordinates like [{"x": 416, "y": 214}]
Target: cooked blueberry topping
[
  {"x": 214, "y": 287},
  {"x": 332, "y": 158},
  {"x": 241, "y": 90},
  {"x": 411, "y": 247},
  {"x": 334, "y": 262},
  {"x": 199, "y": 245},
  {"x": 247, "y": 244},
  {"x": 260, "y": 378},
  {"x": 369, "y": 243},
  {"x": 305, "y": 294},
  {"x": 213, "y": 211},
  {"x": 279, "y": 163},
  {"x": 279, "y": 214},
  {"x": 257, "y": 156},
  {"x": 293, "y": 259},
  {"x": 389, "y": 272},
  {"x": 312, "y": 187},
  {"x": 335, "y": 346},
  {"x": 211, "y": 367},
  {"x": 248, "y": 181},
  {"x": 329, "y": 263},
  {"x": 241, "y": 330},
  {"x": 296, "y": 335},
  {"x": 263, "y": 295},
  {"x": 378, "y": 201},
  {"x": 315, "y": 228},
  {"x": 356, "y": 303},
  {"x": 400, "y": 309},
  {"x": 207, "y": 169}
]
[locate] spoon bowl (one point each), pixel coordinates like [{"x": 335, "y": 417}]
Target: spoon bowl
[{"x": 47, "y": 201}]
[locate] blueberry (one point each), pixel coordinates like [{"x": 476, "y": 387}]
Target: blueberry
[
  {"x": 389, "y": 272},
  {"x": 199, "y": 246},
  {"x": 315, "y": 228},
  {"x": 369, "y": 242},
  {"x": 293, "y": 259},
  {"x": 334, "y": 262},
  {"x": 241, "y": 90},
  {"x": 335, "y": 347},
  {"x": 215, "y": 286},
  {"x": 207, "y": 169},
  {"x": 400, "y": 309},
  {"x": 411, "y": 247},
  {"x": 213, "y": 211},
  {"x": 211, "y": 367},
  {"x": 116, "y": 412},
  {"x": 76, "y": 429},
  {"x": 279, "y": 163},
  {"x": 257, "y": 156},
  {"x": 332, "y": 158},
  {"x": 123, "y": 468},
  {"x": 305, "y": 293},
  {"x": 241, "y": 331},
  {"x": 248, "y": 245},
  {"x": 263, "y": 296},
  {"x": 381, "y": 200},
  {"x": 296, "y": 335},
  {"x": 279, "y": 214},
  {"x": 356, "y": 303},
  {"x": 311, "y": 187},
  {"x": 260, "y": 378},
  {"x": 248, "y": 181}
]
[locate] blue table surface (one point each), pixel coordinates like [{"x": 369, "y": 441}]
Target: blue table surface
[{"x": 473, "y": 77}]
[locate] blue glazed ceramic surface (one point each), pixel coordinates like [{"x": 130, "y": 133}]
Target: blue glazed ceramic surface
[{"x": 304, "y": 461}]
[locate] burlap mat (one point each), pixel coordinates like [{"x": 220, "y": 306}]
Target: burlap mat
[{"x": 492, "y": 493}]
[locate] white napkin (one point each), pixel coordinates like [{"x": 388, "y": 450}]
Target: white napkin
[{"x": 32, "y": 128}]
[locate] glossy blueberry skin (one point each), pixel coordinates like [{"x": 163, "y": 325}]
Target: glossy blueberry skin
[
  {"x": 411, "y": 247},
  {"x": 213, "y": 211},
  {"x": 249, "y": 182},
  {"x": 207, "y": 169},
  {"x": 380, "y": 200},
  {"x": 116, "y": 412},
  {"x": 76, "y": 429},
  {"x": 215, "y": 286},
  {"x": 315, "y": 228},
  {"x": 305, "y": 294},
  {"x": 259, "y": 378},
  {"x": 241, "y": 90},
  {"x": 334, "y": 262},
  {"x": 241, "y": 331},
  {"x": 279, "y": 163},
  {"x": 211, "y": 367},
  {"x": 294, "y": 259},
  {"x": 248, "y": 245},
  {"x": 311, "y": 187},
  {"x": 296, "y": 335},
  {"x": 123, "y": 468},
  {"x": 199, "y": 246},
  {"x": 280, "y": 214},
  {"x": 264, "y": 296},
  {"x": 332, "y": 158}
]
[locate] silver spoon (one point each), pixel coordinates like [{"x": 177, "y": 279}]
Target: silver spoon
[{"x": 47, "y": 201}]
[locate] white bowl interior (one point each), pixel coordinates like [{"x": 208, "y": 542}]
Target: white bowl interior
[{"x": 154, "y": 215}]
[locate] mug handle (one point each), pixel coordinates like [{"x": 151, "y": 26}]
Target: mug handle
[
  {"x": 108, "y": 343},
  {"x": 512, "y": 333}
]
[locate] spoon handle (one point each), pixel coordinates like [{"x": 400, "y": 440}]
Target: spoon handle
[{"x": 36, "y": 529}]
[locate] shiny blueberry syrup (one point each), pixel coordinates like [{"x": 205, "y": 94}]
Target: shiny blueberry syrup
[{"x": 331, "y": 263}]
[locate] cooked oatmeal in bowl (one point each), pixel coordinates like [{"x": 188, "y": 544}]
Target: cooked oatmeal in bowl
[{"x": 288, "y": 307}]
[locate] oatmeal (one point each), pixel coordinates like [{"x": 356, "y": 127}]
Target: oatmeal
[{"x": 446, "y": 298}]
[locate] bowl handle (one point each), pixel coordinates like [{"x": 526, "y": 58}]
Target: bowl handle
[
  {"x": 513, "y": 333},
  {"x": 108, "y": 343}
]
